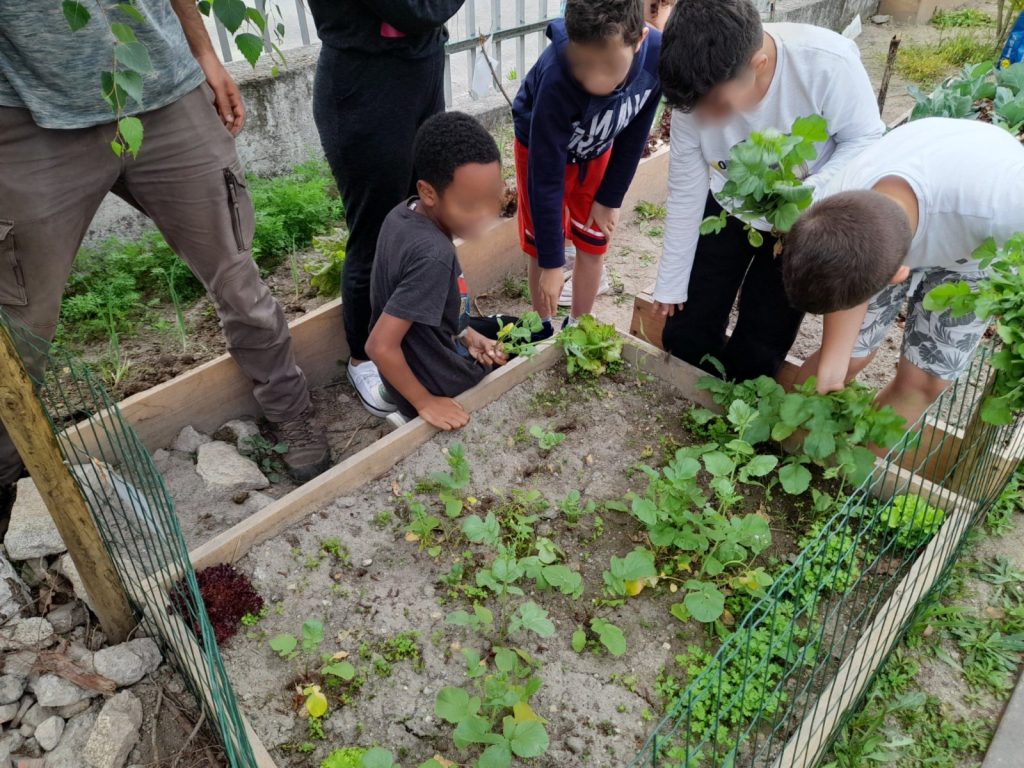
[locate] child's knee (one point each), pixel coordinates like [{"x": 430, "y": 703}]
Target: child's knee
[{"x": 914, "y": 381}]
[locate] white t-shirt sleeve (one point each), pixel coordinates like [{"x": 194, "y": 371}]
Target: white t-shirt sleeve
[
  {"x": 851, "y": 110},
  {"x": 688, "y": 186}
]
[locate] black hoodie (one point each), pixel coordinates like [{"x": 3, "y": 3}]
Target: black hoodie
[{"x": 409, "y": 29}]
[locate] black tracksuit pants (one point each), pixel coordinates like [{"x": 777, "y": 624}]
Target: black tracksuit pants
[
  {"x": 367, "y": 109},
  {"x": 726, "y": 264}
]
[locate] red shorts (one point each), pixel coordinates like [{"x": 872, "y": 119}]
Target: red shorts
[{"x": 579, "y": 197}]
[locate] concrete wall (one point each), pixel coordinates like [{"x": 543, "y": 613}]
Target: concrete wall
[{"x": 280, "y": 133}]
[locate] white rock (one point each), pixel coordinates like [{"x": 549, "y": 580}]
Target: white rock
[
  {"x": 34, "y": 632},
  {"x": 238, "y": 431},
  {"x": 189, "y": 440},
  {"x": 20, "y": 663},
  {"x": 66, "y": 617},
  {"x": 68, "y": 753},
  {"x": 48, "y": 732},
  {"x": 129, "y": 662},
  {"x": 11, "y": 688},
  {"x": 115, "y": 733},
  {"x": 881, "y": 18},
  {"x": 223, "y": 468},
  {"x": 66, "y": 567},
  {"x": 53, "y": 691},
  {"x": 14, "y": 595},
  {"x": 32, "y": 532}
]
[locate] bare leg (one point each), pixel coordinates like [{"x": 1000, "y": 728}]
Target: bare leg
[
  {"x": 533, "y": 277},
  {"x": 586, "y": 278},
  {"x": 911, "y": 391}
]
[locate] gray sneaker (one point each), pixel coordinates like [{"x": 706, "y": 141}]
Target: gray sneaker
[{"x": 308, "y": 453}]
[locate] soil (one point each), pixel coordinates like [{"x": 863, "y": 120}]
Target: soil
[{"x": 388, "y": 585}]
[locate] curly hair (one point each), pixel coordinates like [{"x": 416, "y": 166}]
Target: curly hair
[
  {"x": 843, "y": 250},
  {"x": 448, "y": 141},
  {"x": 706, "y": 43},
  {"x": 596, "y": 21}
]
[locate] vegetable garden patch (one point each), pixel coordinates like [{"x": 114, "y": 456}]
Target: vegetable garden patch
[{"x": 545, "y": 585}]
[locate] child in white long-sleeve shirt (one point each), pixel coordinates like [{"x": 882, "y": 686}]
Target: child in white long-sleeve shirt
[{"x": 726, "y": 75}]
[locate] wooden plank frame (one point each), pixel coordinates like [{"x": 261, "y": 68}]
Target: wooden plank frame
[{"x": 377, "y": 459}]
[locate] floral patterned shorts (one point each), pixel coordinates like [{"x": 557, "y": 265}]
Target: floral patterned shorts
[{"x": 936, "y": 342}]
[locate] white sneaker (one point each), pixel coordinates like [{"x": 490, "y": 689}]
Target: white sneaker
[
  {"x": 397, "y": 420},
  {"x": 365, "y": 379},
  {"x": 603, "y": 287}
]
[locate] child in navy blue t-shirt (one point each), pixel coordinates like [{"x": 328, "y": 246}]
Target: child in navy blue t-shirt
[{"x": 582, "y": 119}]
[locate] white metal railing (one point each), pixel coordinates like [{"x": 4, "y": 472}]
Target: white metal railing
[{"x": 515, "y": 28}]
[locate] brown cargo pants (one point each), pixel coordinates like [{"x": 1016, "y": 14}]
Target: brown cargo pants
[{"x": 189, "y": 181}]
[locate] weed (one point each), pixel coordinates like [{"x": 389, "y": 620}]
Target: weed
[
  {"x": 336, "y": 550},
  {"x": 266, "y": 455},
  {"x": 647, "y": 211},
  {"x": 515, "y": 288},
  {"x": 961, "y": 17},
  {"x": 252, "y": 619},
  {"x": 927, "y": 63},
  {"x": 382, "y": 519}
]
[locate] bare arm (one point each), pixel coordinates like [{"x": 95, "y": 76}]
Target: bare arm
[
  {"x": 832, "y": 362},
  {"x": 385, "y": 349},
  {"x": 227, "y": 97}
]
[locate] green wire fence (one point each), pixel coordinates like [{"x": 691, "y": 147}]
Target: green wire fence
[
  {"x": 137, "y": 523},
  {"x": 823, "y": 630},
  {"x": 835, "y": 614}
]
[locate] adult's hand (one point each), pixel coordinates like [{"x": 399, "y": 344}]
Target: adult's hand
[{"x": 227, "y": 97}]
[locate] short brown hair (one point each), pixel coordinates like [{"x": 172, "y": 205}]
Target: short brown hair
[
  {"x": 598, "y": 21},
  {"x": 843, "y": 250}
]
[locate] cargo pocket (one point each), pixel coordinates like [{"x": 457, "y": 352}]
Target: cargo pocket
[
  {"x": 12, "y": 279},
  {"x": 240, "y": 210}
]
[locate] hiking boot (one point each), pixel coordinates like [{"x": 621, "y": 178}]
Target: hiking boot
[
  {"x": 308, "y": 454},
  {"x": 8, "y": 494},
  {"x": 366, "y": 381}
]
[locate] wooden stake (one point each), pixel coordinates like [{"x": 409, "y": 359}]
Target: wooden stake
[
  {"x": 890, "y": 63},
  {"x": 26, "y": 423}
]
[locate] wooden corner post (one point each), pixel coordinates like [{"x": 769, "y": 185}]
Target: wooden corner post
[{"x": 23, "y": 416}]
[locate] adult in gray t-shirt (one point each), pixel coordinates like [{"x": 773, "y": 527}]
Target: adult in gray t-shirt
[
  {"x": 55, "y": 73},
  {"x": 57, "y": 165}
]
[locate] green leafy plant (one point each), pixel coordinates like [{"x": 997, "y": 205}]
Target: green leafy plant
[
  {"x": 325, "y": 271},
  {"x": 494, "y": 712},
  {"x": 999, "y": 295},
  {"x": 591, "y": 348},
  {"x": 450, "y": 485},
  {"x": 928, "y": 63},
  {"x": 912, "y": 520},
  {"x": 981, "y": 91},
  {"x": 765, "y": 178},
  {"x": 518, "y": 338},
  {"x": 266, "y": 455},
  {"x": 961, "y": 17},
  {"x": 648, "y": 211},
  {"x": 546, "y": 441},
  {"x": 288, "y": 646},
  {"x": 609, "y": 635}
]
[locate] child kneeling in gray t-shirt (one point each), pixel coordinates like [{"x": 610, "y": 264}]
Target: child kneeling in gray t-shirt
[{"x": 425, "y": 345}]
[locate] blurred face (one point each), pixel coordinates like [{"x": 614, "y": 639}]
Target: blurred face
[
  {"x": 471, "y": 203},
  {"x": 741, "y": 94},
  {"x": 601, "y": 67}
]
